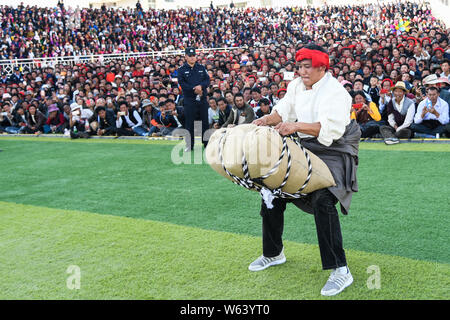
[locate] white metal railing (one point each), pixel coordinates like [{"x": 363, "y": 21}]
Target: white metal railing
[{"x": 101, "y": 59}]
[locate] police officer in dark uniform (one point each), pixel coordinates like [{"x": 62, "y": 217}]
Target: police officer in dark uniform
[
  {"x": 194, "y": 81},
  {"x": 4, "y": 78},
  {"x": 17, "y": 76}
]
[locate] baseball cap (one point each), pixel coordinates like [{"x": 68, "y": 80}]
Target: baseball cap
[{"x": 190, "y": 51}]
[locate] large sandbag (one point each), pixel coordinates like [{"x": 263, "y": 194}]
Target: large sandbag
[
  {"x": 232, "y": 149},
  {"x": 262, "y": 147}
]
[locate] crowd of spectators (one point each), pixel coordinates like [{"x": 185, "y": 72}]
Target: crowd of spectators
[{"x": 141, "y": 96}]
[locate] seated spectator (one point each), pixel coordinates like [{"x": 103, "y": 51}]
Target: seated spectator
[
  {"x": 432, "y": 114},
  {"x": 177, "y": 112},
  {"x": 66, "y": 112},
  {"x": 166, "y": 120},
  {"x": 17, "y": 76},
  {"x": 8, "y": 120},
  {"x": 445, "y": 66},
  {"x": 78, "y": 123},
  {"x": 256, "y": 97},
  {"x": 373, "y": 90},
  {"x": 240, "y": 114},
  {"x": 106, "y": 122},
  {"x": 55, "y": 120},
  {"x": 360, "y": 49},
  {"x": 149, "y": 117},
  {"x": 4, "y": 78},
  {"x": 224, "y": 112},
  {"x": 20, "y": 119},
  {"x": 358, "y": 85},
  {"x": 280, "y": 95},
  {"x": 366, "y": 115},
  {"x": 129, "y": 122},
  {"x": 400, "y": 111},
  {"x": 35, "y": 121},
  {"x": 264, "y": 108},
  {"x": 213, "y": 112},
  {"x": 439, "y": 82}
]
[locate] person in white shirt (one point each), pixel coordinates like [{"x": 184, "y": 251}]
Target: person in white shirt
[
  {"x": 317, "y": 108},
  {"x": 129, "y": 122},
  {"x": 400, "y": 111},
  {"x": 432, "y": 114},
  {"x": 213, "y": 112},
  {"x": 445, "y": 66}
]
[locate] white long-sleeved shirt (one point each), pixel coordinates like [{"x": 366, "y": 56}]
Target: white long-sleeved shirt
[
  {"x": 328, "y": 102},
  {"x": 213, "y": 115},
  {"x": 441, "y": 107},
  {"x": 129, "y": 122}
]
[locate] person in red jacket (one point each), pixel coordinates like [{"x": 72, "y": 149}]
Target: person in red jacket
[{"x": 55, "y": 121}]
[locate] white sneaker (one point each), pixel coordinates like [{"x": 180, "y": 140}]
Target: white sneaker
[
  {"x": 390, "y": 141},
  {"x": 263, "y": 262},
  {"x": 339, "y": 280}
]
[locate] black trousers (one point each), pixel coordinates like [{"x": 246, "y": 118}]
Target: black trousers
[
  {"x": 195, "y": 110},
  {"x": 328, "y": 228},
  {"x": 124, "y": 132}
]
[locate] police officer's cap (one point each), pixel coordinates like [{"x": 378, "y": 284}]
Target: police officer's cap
[{"x": 190, "y": 51}]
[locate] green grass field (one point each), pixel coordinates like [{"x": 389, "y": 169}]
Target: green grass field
[{"x": 140, "y": 227}]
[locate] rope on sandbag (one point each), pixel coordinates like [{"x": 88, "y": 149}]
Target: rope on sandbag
[{"x": 258, "y": 184}]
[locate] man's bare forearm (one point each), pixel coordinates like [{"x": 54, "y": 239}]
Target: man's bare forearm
[
  {"x": 273, "y": 119},
  {"x": 312, "y": 129}
]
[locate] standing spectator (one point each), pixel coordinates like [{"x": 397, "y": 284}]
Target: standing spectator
[
  {"x": 194, "y": 80},
  {"x": 400, "y": 111}
]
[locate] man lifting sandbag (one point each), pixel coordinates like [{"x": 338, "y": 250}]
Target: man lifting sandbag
[{"x": 316, "y": 108}]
